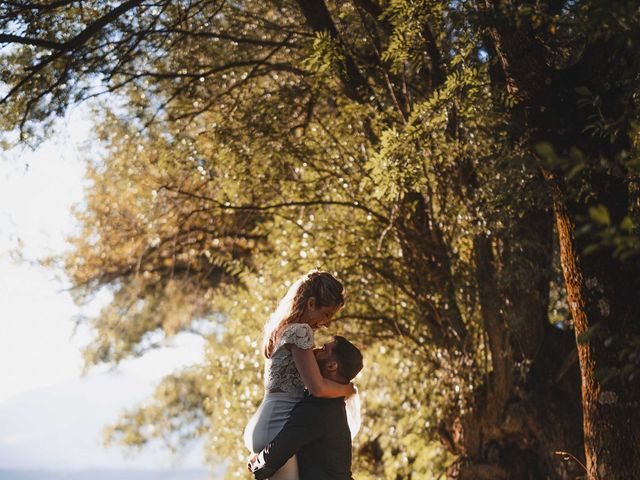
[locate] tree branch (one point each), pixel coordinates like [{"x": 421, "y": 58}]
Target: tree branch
[
  {"x": 319, "y": 19},
  {"x": 370, "y": 7},
  {"x": 75, "y": 42},
  {"x": 494, "y": 323},
  {"x": 37, "y": 42},
  {"x": 40, "y": 7},
  {"x": 224, "y": 36},
  {"x": 275, "y": 206}
]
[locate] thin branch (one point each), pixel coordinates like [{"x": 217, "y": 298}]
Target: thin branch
[
  {"x": 224, "y": 36},
  {"x": 275, "y": 206},
  {"x": 37, "y": 42},
  {"x": 40, "y": 7},
  {"x": 217, "y": 69},
  {"x": 75, "y": 42},
  {"x": 434, "y": 55}
]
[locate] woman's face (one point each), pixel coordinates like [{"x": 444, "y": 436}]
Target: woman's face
[{"x": 318, "y": 317}]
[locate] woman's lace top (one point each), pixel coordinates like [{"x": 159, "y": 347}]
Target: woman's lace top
[{"x": 280, "y": 372}]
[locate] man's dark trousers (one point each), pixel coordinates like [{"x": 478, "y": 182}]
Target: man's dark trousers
[{"x": 318, "y": 433}]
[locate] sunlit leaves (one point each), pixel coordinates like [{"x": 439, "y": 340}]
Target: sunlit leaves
[{"x": 235, "y": 159}]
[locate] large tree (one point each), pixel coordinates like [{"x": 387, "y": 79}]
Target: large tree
[
  {"x": 448, "y": 159},
  {"x": 581, "y": 112}
]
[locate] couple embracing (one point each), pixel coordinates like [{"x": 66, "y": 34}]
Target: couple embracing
[{"x": 310, "y": 411}]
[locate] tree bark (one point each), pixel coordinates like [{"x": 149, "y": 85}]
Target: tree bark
[
  {"x": 516, "y": 425},
  {"x": 600, "y": 288},
  {"x": 601, "y": 293}
]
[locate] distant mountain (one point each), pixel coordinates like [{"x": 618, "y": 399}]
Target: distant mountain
[
  {"x": 109, "y": 474},
  {"x": 60, "y": 429}
]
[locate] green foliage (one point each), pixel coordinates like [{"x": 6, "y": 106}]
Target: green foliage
[
  {"x": 621, "y": 240},
  {"x": 326, "y": 57},
  {"x": 244, "y": 143},
  {"x": 406, "y": 42},
  {"x": 411, "y": 158}
]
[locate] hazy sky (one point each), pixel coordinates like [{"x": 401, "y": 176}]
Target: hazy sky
[
  {"x": 36, "y": 191},
  {"x": 37, "y": 351}
]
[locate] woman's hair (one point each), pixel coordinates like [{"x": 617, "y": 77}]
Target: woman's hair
[{"x": 318, "y": 284}]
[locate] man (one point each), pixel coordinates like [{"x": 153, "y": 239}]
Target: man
[{"x": 317, "y": 431}]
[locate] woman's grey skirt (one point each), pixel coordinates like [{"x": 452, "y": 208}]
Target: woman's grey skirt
[{"x": 265, "y": 424}]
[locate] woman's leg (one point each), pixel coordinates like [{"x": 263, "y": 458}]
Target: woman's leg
[
  {"x": 258, "y": 432},
  {"x": 265, "y": 425}
]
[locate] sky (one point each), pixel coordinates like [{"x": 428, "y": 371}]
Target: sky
[{"x": 40, "y": 360}]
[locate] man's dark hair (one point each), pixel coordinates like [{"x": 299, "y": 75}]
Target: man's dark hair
[{"x": 348, "y": 357}]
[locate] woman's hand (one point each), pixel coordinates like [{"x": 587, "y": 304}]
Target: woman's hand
[
  {"x": 354, "y": 390},
  {"x": 317, "y": 385}
]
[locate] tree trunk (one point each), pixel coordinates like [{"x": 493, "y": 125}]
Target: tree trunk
[
  {"x": 602, "y": 296},
  {"x": 521, "y": 417},
  {"x": 602, "y": 290},
  {"x": 519, "y": 441}
]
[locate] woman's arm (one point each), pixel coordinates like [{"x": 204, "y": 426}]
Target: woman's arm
[{"x": 317, "y": 385}]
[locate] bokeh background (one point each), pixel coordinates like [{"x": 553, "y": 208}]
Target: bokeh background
[{"x": 470, "y": 170}]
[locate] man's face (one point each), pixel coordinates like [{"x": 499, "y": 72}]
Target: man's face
[{"x": 324, "y": 354}]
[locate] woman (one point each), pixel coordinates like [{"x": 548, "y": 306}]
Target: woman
[{"x": 290, "y": 365}]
